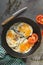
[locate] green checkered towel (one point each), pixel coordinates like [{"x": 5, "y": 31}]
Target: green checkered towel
[{"x": 6, "y": 59}]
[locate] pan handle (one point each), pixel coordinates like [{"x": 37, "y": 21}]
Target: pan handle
[{"x": 7, "y": 20}]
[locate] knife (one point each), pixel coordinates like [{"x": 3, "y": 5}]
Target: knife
[{"x": 13, "y": 15}]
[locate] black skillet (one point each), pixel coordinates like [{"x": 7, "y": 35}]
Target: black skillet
[{"x": 36, "y": 30}]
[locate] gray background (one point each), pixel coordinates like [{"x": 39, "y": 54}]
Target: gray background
[{"x": 35, "y": 7}]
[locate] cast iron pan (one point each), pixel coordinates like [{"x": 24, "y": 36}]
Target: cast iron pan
[{"x": 36, "y": 30}]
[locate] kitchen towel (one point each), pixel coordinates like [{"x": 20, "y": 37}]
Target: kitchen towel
[{"x": 6, "y": 59}]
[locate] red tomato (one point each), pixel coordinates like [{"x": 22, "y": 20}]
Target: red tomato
[
  {"x": 39, "y": 19},
  {"x": 36, "y": 36},
  {"x": 33, "y": 39}
]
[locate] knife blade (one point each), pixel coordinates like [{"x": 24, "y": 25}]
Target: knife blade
[
  {"x": 19, "y": 11},
  {"x": 13, "y": 15}
]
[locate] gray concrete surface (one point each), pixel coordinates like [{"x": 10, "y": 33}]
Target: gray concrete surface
[{"x": 35, "y": 7}]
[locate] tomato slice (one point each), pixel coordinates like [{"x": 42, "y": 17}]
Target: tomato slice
[
  {"x": 36, "y": 36},
  {"x": 39, "y": 19},
  {"x": 33, "y": 39}
]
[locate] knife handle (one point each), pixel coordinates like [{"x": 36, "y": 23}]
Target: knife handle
[{"x": 7, "y": 20}]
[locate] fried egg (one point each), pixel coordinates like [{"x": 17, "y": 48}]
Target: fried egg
[
  {"x": 24, "y": 47},
  {"x": 12, "y": 38},
  {"x": 25, "y": 29}
]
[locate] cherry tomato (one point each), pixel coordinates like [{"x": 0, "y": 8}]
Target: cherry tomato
[
  {"x": 33, "y": 39},
  {"x": 39, "y": 19}
]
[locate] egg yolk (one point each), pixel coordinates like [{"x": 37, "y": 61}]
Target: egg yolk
[
  {"x": 24, "y": 47},
  {"x": 25, "y": 29},
  {"x": 10, "y": 34}
]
